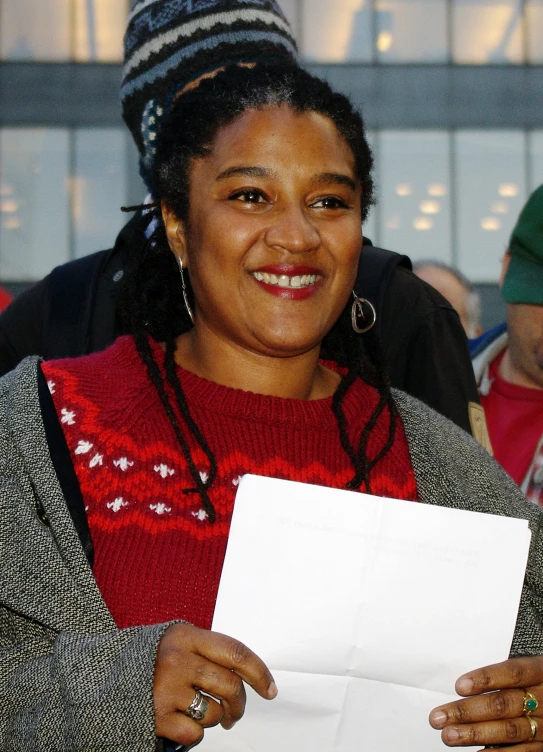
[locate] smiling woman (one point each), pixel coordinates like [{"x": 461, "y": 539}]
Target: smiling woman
[
  {"x": 274, "y": 239},
  {"x": 251, "y": 360}
]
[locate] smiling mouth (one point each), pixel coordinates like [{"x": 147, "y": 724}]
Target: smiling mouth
[{"x": 284, "y": 280}]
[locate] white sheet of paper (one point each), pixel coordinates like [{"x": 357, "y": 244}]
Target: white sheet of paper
[{"x": 365, "y": 609}]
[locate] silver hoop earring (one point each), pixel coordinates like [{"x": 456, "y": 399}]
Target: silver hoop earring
[
  {"x": 358, "y": 314},
  {"x": 184, "y": 288}
]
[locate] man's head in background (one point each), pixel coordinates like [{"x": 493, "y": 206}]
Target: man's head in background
[
  {"x": 171, "y": 43},
  {"x": 455, "y": 288},
  {"x": 522, "y": 290}
]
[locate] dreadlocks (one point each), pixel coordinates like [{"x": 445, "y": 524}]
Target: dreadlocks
[{"x": 151, "y": 304}]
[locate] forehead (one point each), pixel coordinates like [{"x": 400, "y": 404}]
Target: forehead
[{"x": 277, "y": 136}]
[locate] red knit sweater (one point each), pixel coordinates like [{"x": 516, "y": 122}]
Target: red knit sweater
[{"x": 157, "y": 556}]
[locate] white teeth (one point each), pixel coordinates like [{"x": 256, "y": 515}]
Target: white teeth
[{"x": 285, "y": 281}]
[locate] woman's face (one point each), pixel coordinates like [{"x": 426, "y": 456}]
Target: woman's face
[{"x": 274, "y": 233}]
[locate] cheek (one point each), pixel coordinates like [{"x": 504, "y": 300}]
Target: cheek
[{"x": 348, "y": 257}]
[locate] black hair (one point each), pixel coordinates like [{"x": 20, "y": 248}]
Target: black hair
[{"x": 151, "y": 303}]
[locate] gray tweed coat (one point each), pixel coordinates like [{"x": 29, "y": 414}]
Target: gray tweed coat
[{"x": 70, "y": 681}]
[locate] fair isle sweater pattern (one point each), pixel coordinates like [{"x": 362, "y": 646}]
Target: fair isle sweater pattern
[{"x": 157, "y": 556}]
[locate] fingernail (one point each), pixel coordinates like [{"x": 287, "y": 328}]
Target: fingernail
[
  {"x": 464, "y": 685},
  {"x": 272, "y": 690},
  {"x": 451, "y": 735},
  {"x": 438, "y": 718}
]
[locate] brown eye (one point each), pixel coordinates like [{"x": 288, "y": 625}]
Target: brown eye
[
  {"x": 330, "y": 202},
  {"x": 248, "y": 197}
]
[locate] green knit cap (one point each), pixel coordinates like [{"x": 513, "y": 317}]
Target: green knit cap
[{"x": 524, "y": 279}]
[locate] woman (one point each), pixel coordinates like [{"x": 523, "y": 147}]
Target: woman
[{"x": 254, "y": 358}]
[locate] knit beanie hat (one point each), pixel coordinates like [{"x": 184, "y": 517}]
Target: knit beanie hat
[
  {"x": 169, "y": 43},
  {"x": 523, "y": 281}
]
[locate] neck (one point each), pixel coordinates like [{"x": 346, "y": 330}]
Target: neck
[
  {"x": 296, "y": 377},
  {"x": 509, "y": 371}
]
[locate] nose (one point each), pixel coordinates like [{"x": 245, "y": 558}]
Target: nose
[{"x": 294, "y": 231}]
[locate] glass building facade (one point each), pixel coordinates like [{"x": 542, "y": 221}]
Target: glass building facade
[{"x": 450, "y": 90}]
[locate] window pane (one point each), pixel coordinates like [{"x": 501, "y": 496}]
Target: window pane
[
  {"x": 534, "y": 30},
  {"x": 536, "y": 159},
  {"x": 338, "y": 31},
  {"x": 99, "y": 29},
  {"x": 34, "y": 216},
  {"x": 487, "y": 31},
  {"x": 411, "y": 30},
  {"x": 491, "y": 190},
  {"x": 414, "y": 212},
  {"x": 31, "y": 30},
  {"x": 99, "y": 188}
]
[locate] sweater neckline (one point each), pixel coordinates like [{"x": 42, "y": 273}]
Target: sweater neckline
[{"x": 208, "y": 396}]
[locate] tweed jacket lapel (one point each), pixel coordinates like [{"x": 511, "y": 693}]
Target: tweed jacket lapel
[{"x": 69, "y": 599}]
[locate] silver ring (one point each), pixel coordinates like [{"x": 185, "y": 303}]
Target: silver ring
[{"x": 198, "y": 707}]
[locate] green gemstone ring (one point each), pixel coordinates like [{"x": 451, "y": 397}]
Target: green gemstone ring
[{"x": 530, "y": 703}]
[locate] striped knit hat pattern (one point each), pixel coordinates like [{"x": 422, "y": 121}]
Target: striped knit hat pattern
[{"x": 169, "y": 43}]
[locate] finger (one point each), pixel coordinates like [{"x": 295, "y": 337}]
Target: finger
[
  {"x": 183, "y": 731},
  {"x": 213, "y": 714},
  {"x": 237, "y": 657},
  {"x": 513, "y": 731},
  {"x": 225, "y": 685},
  {"x": 508, "y": 703},
  {"x": 515, "y": 672}
]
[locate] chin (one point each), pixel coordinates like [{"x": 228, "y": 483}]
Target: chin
[{"x": 289, "y": 346}]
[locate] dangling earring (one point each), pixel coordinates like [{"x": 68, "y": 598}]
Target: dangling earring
[
  {"x": 185, "y": 298},
  {"x": 357, "y": 313}
]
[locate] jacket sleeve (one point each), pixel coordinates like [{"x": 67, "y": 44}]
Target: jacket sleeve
[
  {"x": 70, "y": 680},
  {"x": 70, "y": 692},
  {"x": 427, "y": 349}
]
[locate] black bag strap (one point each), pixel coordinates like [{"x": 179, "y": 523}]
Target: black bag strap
[
  {"x": 71, "y": 292},
  {"x": 375, "y": 270}
]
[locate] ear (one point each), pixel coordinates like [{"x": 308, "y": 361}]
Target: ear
[
  {"x": 175, "y": 233},
  {"x": 505, "y": 266}
]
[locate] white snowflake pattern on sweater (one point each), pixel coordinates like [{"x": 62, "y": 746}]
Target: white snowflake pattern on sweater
[
  {"x": 117, "y": 505},
  {"x": 68, "y": 416},
  {"x": 160, "y": 508},
  {"x": 123, "y": 463},
  {"x": 163, "y": 470},
  {"x": 83, "y": 447}
]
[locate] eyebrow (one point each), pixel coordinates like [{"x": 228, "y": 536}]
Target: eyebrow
[
  {"x": 323, "y": 178},
  {"x": 249, "y": 172},
  {"x": 335, "y": 177}
]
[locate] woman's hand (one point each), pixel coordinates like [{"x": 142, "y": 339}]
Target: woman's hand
[
  {"x": 494, "y": 713},
  {"x": 191, "y": 659}
]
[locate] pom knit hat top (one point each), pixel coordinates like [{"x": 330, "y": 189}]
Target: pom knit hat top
[
  {"x": 523, "y": 281},
  {"x": 169, "y": 43}
]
